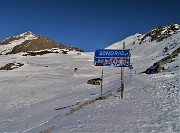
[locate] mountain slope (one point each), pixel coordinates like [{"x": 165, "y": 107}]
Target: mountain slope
[
  {"x": 154, "y": 45},
  {"x": 28, "y": 41},
  {"x": 38, "y": 44}
]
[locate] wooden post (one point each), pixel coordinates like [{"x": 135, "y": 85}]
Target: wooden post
[{"x": 122, "y": 78}]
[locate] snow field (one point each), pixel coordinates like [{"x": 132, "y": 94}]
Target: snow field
[{"x": 36, "y": 96}]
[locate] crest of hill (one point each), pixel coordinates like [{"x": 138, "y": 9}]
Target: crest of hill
[
  {"x": 29, "y": 41},
  {"x": 160, "y": 40},
  {"x": 156, "y": 35},
  {"x": 24, "y": 36},
  {"x": 160, "y": 33}
]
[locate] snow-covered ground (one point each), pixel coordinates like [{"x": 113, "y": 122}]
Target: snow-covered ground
[
  {"x": 40, "y": 95},
  {"x": 30, "y": 94}
]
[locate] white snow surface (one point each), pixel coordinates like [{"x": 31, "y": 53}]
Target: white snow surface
[
  {"x": 128, "y": 41},
  {"x": 30, "y": 95}
]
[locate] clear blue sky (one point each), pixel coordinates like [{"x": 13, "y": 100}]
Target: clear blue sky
[{"x": 87, "y": 24}]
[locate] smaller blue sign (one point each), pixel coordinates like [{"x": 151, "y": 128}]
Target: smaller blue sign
[{"x": 130, "y": 67}]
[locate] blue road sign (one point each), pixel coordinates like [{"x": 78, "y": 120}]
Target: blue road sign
[{"x": 112, "y": 57}]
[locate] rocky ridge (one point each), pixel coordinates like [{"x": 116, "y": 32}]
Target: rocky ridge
[{"x": 160, "y": 33}]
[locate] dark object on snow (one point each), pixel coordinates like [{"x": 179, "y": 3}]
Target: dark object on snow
[
  {"x": 75, "y": 69},
  {"x": 96, "y": 81},
  {"x": 64, "y": 52},
  {"x": 11, "y": 66}
]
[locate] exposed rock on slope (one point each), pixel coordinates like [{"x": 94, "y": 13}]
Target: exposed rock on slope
[
  {"x": 11, "y": 66},
  {"x": 39, "y": 53}
]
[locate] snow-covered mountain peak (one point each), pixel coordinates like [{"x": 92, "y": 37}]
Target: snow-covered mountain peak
[
  {"x": 28, "y": 41},
  {"x": 27, "y": 34},
  {"x": 8, "y": 44}
]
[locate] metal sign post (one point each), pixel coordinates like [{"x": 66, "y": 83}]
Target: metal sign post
[{"x": 101, "y": 81}]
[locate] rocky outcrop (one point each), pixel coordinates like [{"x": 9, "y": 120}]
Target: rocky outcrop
[
  {"x": 160, "y": 33},
  {"x": 11, "y": 66},
  {"x": 159, "y": 66}
]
